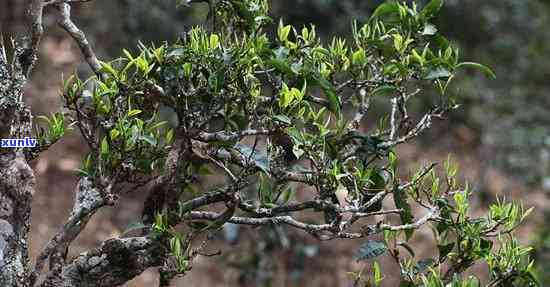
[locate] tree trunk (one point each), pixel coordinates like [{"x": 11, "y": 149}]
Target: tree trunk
[
  {"x": 16, "y": 190},
  {"x": 16, "y": 177}
]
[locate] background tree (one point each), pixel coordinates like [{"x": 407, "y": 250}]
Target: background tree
[{"x": 268, "y": 114}]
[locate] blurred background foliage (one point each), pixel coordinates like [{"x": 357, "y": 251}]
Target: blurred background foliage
[{"x": 505, "y": 123}]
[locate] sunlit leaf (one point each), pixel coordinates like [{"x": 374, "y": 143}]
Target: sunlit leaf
[
  {"x": 429, "y": 29},
  {"x": 104, "y": 146}
]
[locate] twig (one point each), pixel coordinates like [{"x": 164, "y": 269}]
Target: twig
[
  {"x": 393, "y": 120},
  {"x": 422, "y": 125}
]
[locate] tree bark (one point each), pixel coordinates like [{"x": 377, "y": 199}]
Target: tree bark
[
  {"x": 16, "y": 177},
  {"x": 16, "y": 190},
  {"x": 115, "y": 262}
]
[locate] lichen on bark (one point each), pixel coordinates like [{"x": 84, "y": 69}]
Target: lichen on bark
[{"x": 16, "y": 190}]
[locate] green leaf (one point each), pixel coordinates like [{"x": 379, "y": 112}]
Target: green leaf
[
  {"x": 400, "y": 199},
  {"x": 283, "y": 32},
  {"x": 104, "y": 146},
  {"x": 187, "y": 69},
  {"x": 442, "y": 42},
  {"x": 370, "y": 249},
  {"x": 485, "y": 247},
  {"x": 384, "y": 9},
  {"x": 286, "y": 97},
  {"x": 108, "y": 68},
  {"x": 149, "y": 139},
  {"x": 377, "y": 274},
  {"x": 263, "y": 20},
  {"x": 392, "y": 159},
  {"x": 281, "y": 53},
  {"x": 114, "y": 134},
  {"x": 265, "y": 191},
  {"x": 214, "y": 41},
  {"x": 430, "y": 10},
  {"x": 486, "y": 70},
  {"x": 283, "y": 119},
  {"x": 81, "y": 172},
  {"x": 429, "y": 29},
  {"x": 132, "y": 113},
  {"x": 359, "y": 57},
  {"x": 444, "y": 250},
  {"x": 330, "y": 92},
  {"x": 376, "y": 180},
  {"x": 128, "y": 54},
  {"x": 216, "y": 81},
  {"x": 169, "y": 136},
  {"x": 243, "y": 11},
  {"x": 442, "y": 227},
  {"x": 281, "y": 66},
  {"x": 437, "y": 73},
  {"x": 287, "y": 195},
  {"x": 175, "y": 246},
  {"x": 177, "y": 52},
  {"x": 157, "y": 126}
]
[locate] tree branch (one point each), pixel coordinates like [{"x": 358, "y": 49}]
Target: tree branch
[
  {"x": 87, "y": 201},
  {"x": 321, "y": 231},
  {"x": 113, "y": 263},
  {"x": 68, "y": 25}
]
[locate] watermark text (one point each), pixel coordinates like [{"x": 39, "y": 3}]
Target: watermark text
[{"x": 18, "y": 143}]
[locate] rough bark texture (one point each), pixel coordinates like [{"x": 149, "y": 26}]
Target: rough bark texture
[
  {"x": 16, "y": 177},
  {"x": 16, "y": 190},
  {"x": 115, "y": 262}
]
